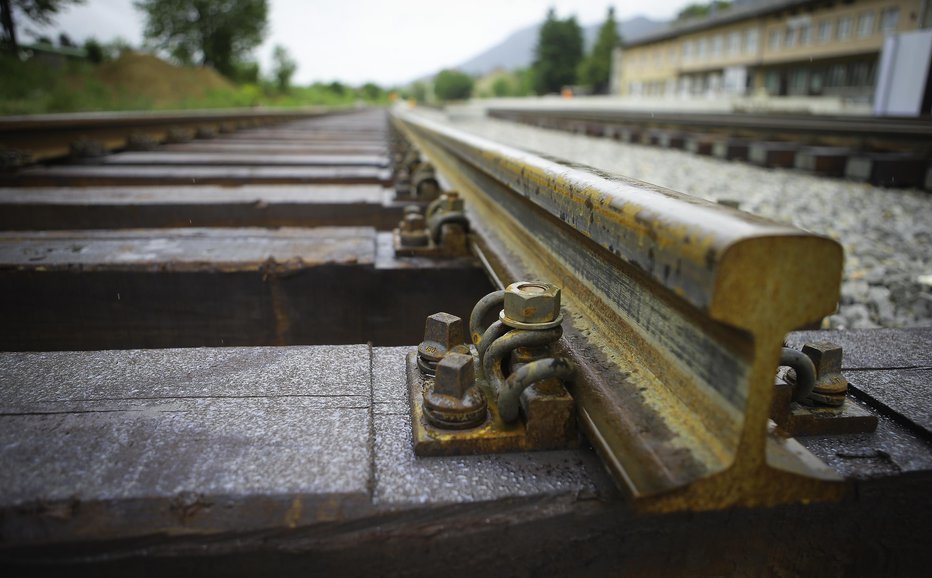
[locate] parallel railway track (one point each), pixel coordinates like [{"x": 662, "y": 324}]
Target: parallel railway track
[
  {"x": 183, "y": 386},
  {"x": 893, "y": 152}
]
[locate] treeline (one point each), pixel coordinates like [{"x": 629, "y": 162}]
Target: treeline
[
  {"x": 560, "y": 63},
  {"x": 192, "y": 33}
]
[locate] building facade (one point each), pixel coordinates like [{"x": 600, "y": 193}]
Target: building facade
[{"x": 773, "y": 47}]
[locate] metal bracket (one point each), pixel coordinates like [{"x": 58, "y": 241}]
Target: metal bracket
[
  {"x": 824, "y": 408},
  {"x": 440, "y": 232},
  {"x": 799, "y": 420},
  {"x": 549, "y": 424}
]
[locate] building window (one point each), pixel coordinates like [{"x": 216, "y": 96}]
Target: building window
[
  {"x": 888, "y": 19},
  {"x": 799, "y": 81},
  {"x": 805, "y": 34},
  {"x": 844, "y": 27},
  {"x": 789, "y": 38},
  {"x": 838, "y": 75},
  {"x": 774, "y": 40},
  {"x": 866, "y": 24},
  {"x": 825, "y": 31},
  {"x": 706, "y": 49},
  {"x": 862, "y": 74},
  {"x": 671, "y": 55},
  {"x": 772, "y": 83},
  {"x": 687, "y": 50},
  {"x": 816, "y": 82},
  {"x": 717, "y": 44},
  {"x": 750, "y": 41},
  {"x": 734, "y": 43}
]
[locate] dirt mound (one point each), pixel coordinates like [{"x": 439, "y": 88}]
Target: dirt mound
[{"x": 149, "y": 78}]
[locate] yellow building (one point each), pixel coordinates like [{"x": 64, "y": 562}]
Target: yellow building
[{"x": 777, "y": 47}]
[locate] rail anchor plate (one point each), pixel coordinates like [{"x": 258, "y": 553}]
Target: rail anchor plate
[{"x": 549, "y": 423}]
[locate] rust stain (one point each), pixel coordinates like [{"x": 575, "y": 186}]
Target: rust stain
[
  {"x": 293, "y": 515},
  {"x": 719, "y": 274}
]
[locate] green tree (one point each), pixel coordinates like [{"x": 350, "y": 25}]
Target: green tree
[
  {"x": 283, "y": 68},
  {"x": 452, "y": 85},
  {"x": 215, "y": 33},
  {"x": 371, "y": 92},
  {"x": 558, "y": 53},
  {"x": 245, "y": 72},
  {"x": 502, "y": 86},
  {"x": 702, "y": 10},
  {"x": 94, "y": 50},
  {"x": 419, "y": 91},
  {"x": 596, "y": 69},
  {"x": 35, "y": 11}
]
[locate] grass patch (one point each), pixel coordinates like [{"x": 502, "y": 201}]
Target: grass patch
[{"x": 137, "y": 81}]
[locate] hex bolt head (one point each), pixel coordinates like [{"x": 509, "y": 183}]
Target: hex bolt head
[
  {"x": 529, "y": 302},
  {"x": 442, "y": 332},
  {"x": 454, "y": 375},
  {"x": 413, "y": 222},
  {"x": 827, "y": 358},
  {"x": 454, "y": 401}
]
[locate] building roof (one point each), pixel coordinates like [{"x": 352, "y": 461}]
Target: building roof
[{"x": 735, "y": 13}]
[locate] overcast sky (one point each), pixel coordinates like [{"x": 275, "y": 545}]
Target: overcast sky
[{"x": 388, "y": 42}]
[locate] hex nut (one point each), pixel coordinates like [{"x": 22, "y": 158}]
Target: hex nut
[
  {"x": 412, "y": 230},
  {"x": 531, "y": 303},
  {"x": 452, "y": 203}
]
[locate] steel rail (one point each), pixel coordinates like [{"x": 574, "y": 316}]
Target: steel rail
[
  {"x": 48, "y": 136},
  {"x": 893, "y": 129},
  {"x": 676, "y": 314}
]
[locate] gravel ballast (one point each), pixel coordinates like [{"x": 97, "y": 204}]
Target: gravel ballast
[{"x": 886, "y": 233}]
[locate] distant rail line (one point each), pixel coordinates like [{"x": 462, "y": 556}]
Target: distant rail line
[{"x": 891, "y": 152}]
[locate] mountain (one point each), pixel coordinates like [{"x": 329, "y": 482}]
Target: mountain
[{"x": 517, "y": 51}]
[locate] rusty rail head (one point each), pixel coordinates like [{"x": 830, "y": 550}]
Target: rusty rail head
[{"x": 677, "y": 310}]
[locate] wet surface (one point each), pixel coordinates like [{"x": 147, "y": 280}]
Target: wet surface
[
  {"x": 207, "y": 249},
  {"x": 247, "y": 427},
  {"x": 160, "y": 425},
  {"x": 890, "y": 372},
  {"x": 875, "y": 348},
  {"x": 43, "y": 208},
  {"x": 208, "y": 159},
  {"x": 401, "y": 478}
]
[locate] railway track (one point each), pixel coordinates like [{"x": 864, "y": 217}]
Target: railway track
[
  {"x": 211, "y": 363},
  {"x": 890, "y": 152}
]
